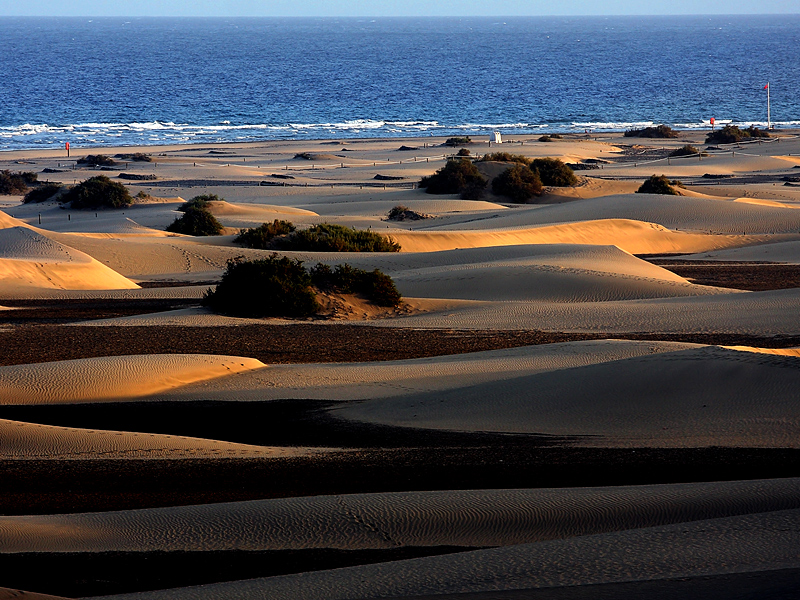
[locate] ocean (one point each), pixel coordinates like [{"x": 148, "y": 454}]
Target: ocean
[{"x": 115, "y": 81}]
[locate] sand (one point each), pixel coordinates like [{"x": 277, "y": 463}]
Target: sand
[
  {"x": 383, "y": 521},
  {"x": 740, "y": 544},
  {"x": 28, "y": 441},
  {"x": 107, "y": 378},
  {"x": 564, "y": 263}
]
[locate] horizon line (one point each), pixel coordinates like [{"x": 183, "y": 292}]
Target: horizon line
[{"x": 179, "y": 16}]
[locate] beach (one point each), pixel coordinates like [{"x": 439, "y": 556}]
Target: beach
[{"x": 593, "y": 392}]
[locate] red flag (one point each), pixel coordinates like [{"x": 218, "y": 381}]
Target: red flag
[{"x": 766, "y": 87}]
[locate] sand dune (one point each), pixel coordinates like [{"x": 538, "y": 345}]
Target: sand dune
[
  {"x": 32, "y": 441},
  {"x": 357, "y": 381},
  {"x": 7, "y": 594},
  {"x": 636, "y": 237},
  {"x": 31, "y": 260},
  {"x": 738, "y": 544},
  {"x": 694, "y": 397},
  {"x": 476, "y": 518},
  {"x": 750, "y": 313},
  {"x": 674, "y": 212},
  {"x": 788, "y": 252},
  {"x": 107, "y": 378}
]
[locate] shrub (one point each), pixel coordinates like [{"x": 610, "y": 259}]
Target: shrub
[
  {"x": 375, "y": 285},
  {"x": 518, "y": 183},
  {"x": 658, "y": 184},
  {"x": 195, "y": 221},
  {"x": 270, "y": 287},
  {"x": 97, "y": 160},
  {"x": 16, "y": 184},
  {"x": 137, "y": 177},
  {"x": 136, "y": 157},
  {"x": 687, "y": 150},
  {"x": 660, "y": 131},
  {"x": 261, "y": 237},
  {"x": 731, "y": 134},
  {"x": 304, "y": 155},
  {"x": 457, "y": 176},
  {"x": 98, "y": 192},
  {"x": 327, "y": 237},
  {"x": 506, "y": 157},
  {"x": 553, "y": 172},
  {"x": 403, "y": 213},
  {"x": 457, "y": 141},
  {"x": 42, "y": 193},
  {"x": 463, "y": 152},
  {"x": 546, "y": 138},
  {"x": 199, "y": 202}
]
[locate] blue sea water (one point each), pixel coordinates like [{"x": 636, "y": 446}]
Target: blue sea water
[{"x": 115, "y": 81}]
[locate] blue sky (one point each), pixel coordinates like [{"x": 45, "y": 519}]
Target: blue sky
[{"x": 278, "y": 8}]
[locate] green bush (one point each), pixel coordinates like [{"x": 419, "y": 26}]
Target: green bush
[
  {"x": 327, "y": 237},
  {"x": 196, "y": 221},
  {"x": 261, "y": 237},
  {"x": 135, "y": 157},
  {"x": 97, "y": 160},
  {"x": 506, "y": 157},
  {"x": 687, "y": 150},
  {"x": 282, "y": 287},
  {"x": 518, "y": 183},
  {"x": 16, "y": 184},
  {"x": 375, "y": 285},
  {"x": 463, "y": 152},
  {"x": 199, "y": 202},
  {"x": 403, "y": 213},
  {"x": 457, "y": 141},
  {"x": 658, "y": 184},
  {"x": 98, "y": 192},
  {"x": 456, "y": 177},
  {"x": 553, "y": 172},
  {"x": 42, "y": 193},
  {"x": 660, "y": 131},
  {"x": 270, "y": 287},
  {"x": 731, "y": 134}
]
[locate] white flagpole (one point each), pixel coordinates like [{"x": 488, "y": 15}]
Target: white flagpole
[{"x": 769, "y": 116}]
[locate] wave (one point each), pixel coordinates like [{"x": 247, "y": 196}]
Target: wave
[{"x": 43, "y": 135}]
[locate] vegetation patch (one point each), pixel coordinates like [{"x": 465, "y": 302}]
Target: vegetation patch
[
  {"x": 659, "y": 184},
  {"x": 137, "y": 177},
  {"x": 731, "y": 134},
  {"x": 97, "y": 160},
  {"x": 16, "y": 184},
  {"x": 196, "y": 221},
  {"x": 42, "y": 193},
  {"x": 200, "y": 202},
  {"x": 456, "y": 177},
  {"x": 282, "y": 287},
  {"x": 687, "y": 150},
  {"x": 546, "y": 138},
  {"x": 98, "y": 192},
  {"x": 506, "y": 157},
  {"x": 660, "y": 131},
  {"x": 261, "y": 237},
  {"x": 375, "y": 286},
  {"x": 518, "y": 183},
  {"x": 463, "y": 152},
  {"x": 403, "y": 213},
  {"x": 554, "y": 172},
  {"x": 458, "y": 141},
  {"x": 135, "y": 157},
  {"x": 304, "y": 155},
  {"x": 325, "y": 237}
]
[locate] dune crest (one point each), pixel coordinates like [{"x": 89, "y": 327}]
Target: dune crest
[{"x": 110, "y": 378}]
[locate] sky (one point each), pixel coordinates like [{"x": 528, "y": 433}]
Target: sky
[{"x": 388, "y": 8}]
